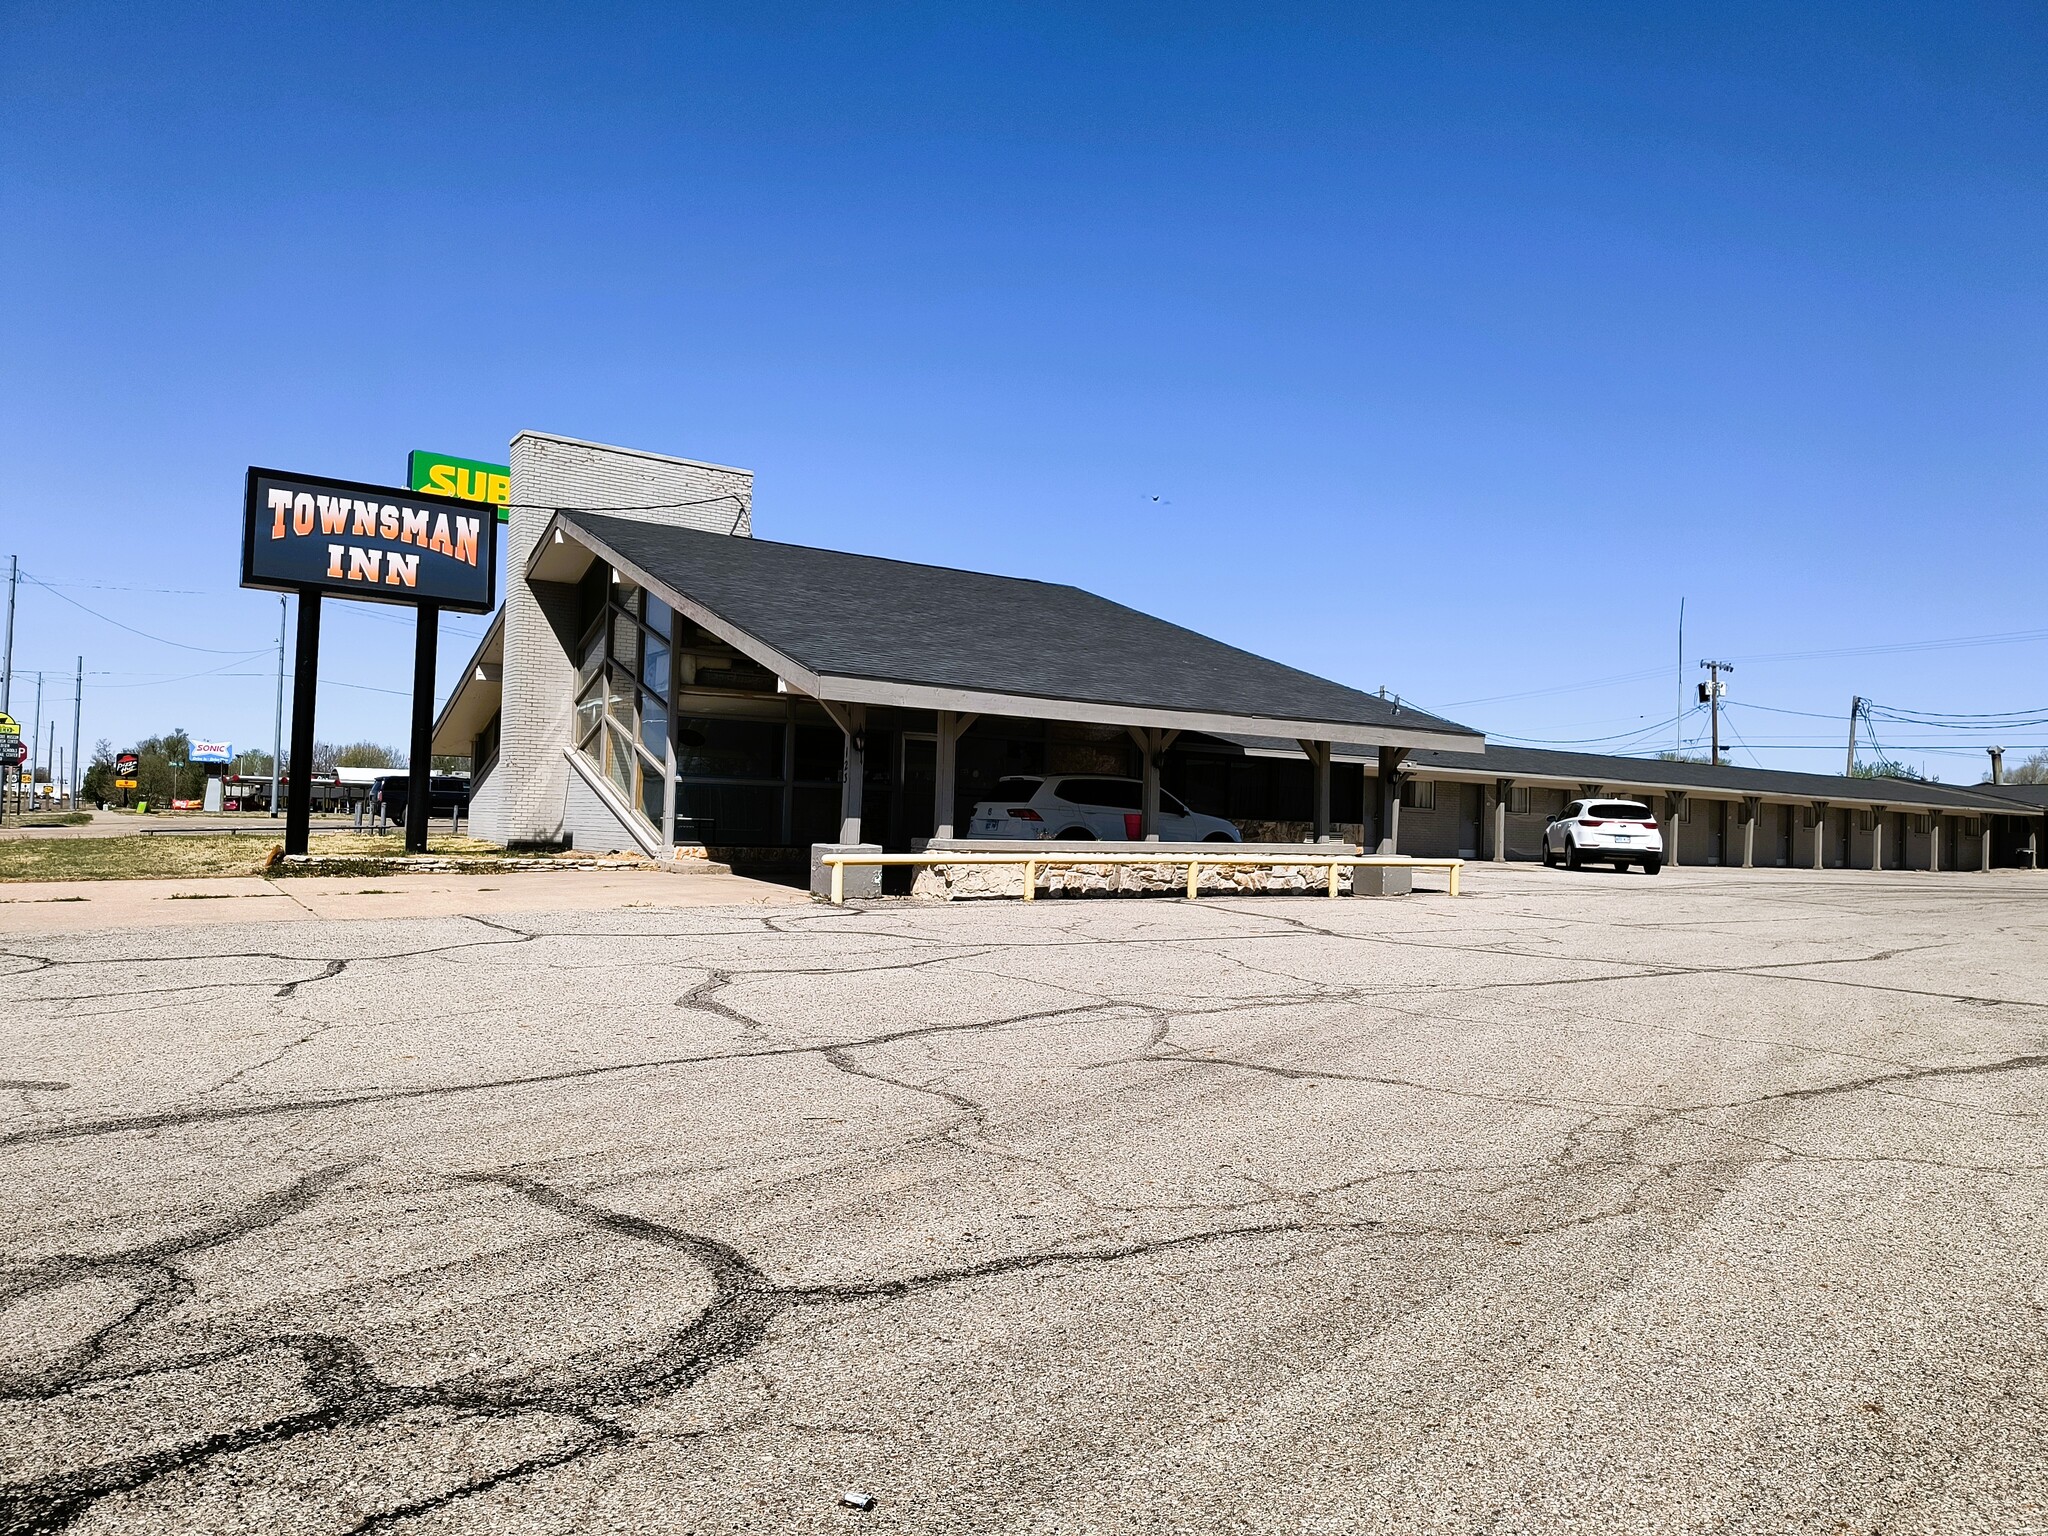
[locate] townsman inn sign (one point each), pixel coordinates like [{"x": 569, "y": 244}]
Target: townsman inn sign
[
  {"x": 372, "y": 542},
  {"x": 368, "y": 543}
]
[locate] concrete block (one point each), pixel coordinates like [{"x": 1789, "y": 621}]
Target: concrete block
[
  {"x": 1382, "y": 880},
  {"x": 862, "y": 880}
]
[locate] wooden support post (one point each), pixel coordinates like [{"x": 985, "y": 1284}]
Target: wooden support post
[
  {"x": 1984, "y": 849},
  {"x": 1501, "y": 792},
  {"x": 1877, "y": 837},
  {"x": 1391, "y": 759},
  {"x": 947, "y": 771},
  {"x": 1194, "y": 879},
  {"x": 854, "y": 727},
  {"x": 1152, "y": 745},
  {"x": 1749, "y": 811},
  {"x": 1333, "y": 878},
  {"x": 1934, "y": 842},
  {"x": 1820, "y": 834},
  {"x": 838, "y": 885},
  {"x": 1319, "y": 753},
  {"x": 1030, "y": 881}
]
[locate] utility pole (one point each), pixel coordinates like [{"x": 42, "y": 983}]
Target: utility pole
[
  {"x": 277, "y": 731},
  {"x": 35, "y": 741},
  {"x": 77, "y": 702},
  {"x": 7, "y": 664},
  {"x": 1855, "y": 709},
  {"x": 1710, "y": 694}
]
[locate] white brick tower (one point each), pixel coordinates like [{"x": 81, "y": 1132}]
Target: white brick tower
[{"x": 541, "y": 627}]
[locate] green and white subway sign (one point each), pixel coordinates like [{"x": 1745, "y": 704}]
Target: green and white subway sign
[{"x": 464, "y": 479}]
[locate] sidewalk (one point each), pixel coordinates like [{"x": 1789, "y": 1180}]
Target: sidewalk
[{"x": 74, "y": 906}]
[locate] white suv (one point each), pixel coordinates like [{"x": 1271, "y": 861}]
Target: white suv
[
  {"x": 1617, "y": 832},
  {"x": 1090, "y": 807}
]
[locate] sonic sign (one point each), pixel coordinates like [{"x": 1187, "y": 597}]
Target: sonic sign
[{"x": 375, "y": 543}]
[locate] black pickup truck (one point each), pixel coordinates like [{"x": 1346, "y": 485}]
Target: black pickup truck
[{"x": 394, "y": 791}]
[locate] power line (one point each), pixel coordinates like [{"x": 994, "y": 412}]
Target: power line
[
  {"x": 1538, "y": 693},
  {"x": 1583, "y": 741},
  {"x": 99, "y": 586},
  {"x": 210, "y": 650}
]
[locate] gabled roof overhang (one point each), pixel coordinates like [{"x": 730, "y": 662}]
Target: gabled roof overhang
[
  {"x": 478, "y": 693},
  {"x": 566, "y": 549}
]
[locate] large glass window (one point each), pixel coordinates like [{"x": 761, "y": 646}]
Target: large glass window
[
  {"x": 654, "y": 665},
  {"x": 714, "y": 748},
  {"x": 748, "y": 815},
  {"x": 820, "y": 753},
  {"x": 622, "y": 697},
  {"x": 747, "y": 774}
]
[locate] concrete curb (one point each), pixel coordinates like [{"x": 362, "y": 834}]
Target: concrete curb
[{"x": 357, "y": 865}]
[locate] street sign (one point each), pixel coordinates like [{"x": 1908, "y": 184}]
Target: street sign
[{"x": 13, "y": 751}]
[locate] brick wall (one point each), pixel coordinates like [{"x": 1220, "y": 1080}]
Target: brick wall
[{"x": 550, "y": 472}]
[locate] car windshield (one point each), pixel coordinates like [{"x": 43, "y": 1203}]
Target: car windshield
[
  {"x": 1017, "y": 789},
  {"x": 1618, "y": 810}
]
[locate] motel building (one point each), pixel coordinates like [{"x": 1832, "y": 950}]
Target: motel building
[{"x": 659, "y": 679}]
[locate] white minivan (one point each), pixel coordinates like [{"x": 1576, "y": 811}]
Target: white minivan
[
  {"x": 1617, "y": 832},
  {"x": 1088, "y": 806}
]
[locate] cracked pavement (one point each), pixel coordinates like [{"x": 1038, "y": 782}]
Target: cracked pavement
[{"x": 1709, "y": 1202}]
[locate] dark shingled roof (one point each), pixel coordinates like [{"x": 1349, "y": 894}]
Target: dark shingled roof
[
  {"x": 2032, "y": 796},
  {"x": 858, "y": 616},
  {"x": 1619, "y": 773}
]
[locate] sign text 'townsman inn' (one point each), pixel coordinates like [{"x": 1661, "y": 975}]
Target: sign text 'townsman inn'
[{"x": 372, "y": 542}]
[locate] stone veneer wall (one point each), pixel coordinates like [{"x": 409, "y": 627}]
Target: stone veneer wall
[{"x": 550, "y": 472}]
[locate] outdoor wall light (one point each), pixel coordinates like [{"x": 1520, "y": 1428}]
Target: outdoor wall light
[{"x": 860, "y": 741}]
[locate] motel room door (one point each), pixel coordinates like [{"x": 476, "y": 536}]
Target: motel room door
[{"x": 1471, "y": 811}]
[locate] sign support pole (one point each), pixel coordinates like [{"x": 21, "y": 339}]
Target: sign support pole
[
  {"x": 419, "y": 798},
  {"x": 298, "y": 814}
]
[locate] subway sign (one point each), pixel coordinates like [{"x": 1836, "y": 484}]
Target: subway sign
[
  {"x": 465, "y": 479},
  {"x": 375, "y": 543}
]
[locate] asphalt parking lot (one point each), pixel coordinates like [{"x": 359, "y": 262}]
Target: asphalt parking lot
[{"x": 1583, "y": 1202}]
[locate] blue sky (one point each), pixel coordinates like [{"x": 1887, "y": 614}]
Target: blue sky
[{"x": 1457, "y": 343}]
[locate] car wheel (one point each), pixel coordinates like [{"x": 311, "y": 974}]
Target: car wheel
[
  {"x": 1571, "y": 856},
  {"x": 1549, "y": 858},
  {"x": 1621, "y": 866},
  {"x": 1077, "y": 835},
  {"x": 1219, "y": 837},
  {"x": 1651, "y": 866}
]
